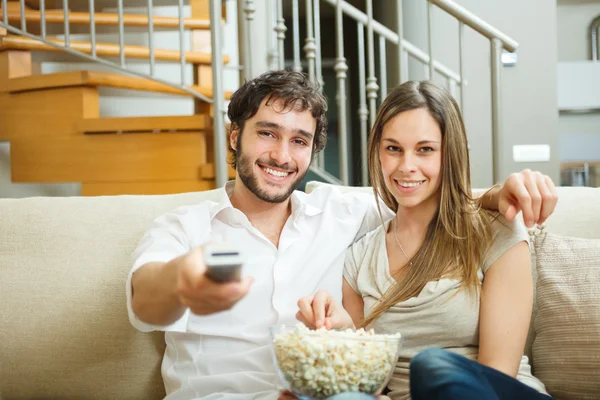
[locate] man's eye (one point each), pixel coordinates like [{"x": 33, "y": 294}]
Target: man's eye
[
  {"x": 300, "y": 142},
  {"x": 265, "y": 133}
]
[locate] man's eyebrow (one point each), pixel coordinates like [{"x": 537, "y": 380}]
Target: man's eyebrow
[{"x": 273, "y": 125}]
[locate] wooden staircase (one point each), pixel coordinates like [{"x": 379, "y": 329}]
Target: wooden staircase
[
  {"x": 57, "y": 134},
  {"x": 34, "y": 17}
]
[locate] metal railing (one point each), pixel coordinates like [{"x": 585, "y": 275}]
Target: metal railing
[
  {"x": 220, "y": 147},
  {"x": 372, "y": 84},
  {"x": 593, "y": 29}
]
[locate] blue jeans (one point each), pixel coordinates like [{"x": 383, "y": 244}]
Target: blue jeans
[{"x": 440, "y": 374}]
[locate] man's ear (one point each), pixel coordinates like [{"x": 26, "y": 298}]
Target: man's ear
[{"x": 234, "y": 135}]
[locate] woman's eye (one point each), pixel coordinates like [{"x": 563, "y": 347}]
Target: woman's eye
[
  {"x": 426, "y": 149},
  {"x": 393, "y": 148}
]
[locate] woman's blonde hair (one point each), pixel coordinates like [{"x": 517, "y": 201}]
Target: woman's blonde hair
[{"x": 460, "y": 229}]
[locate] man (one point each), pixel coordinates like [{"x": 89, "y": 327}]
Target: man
[{"x": 217, "y": 334}]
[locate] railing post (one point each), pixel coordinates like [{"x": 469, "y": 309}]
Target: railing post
[
  {"x": 5, "y": 12},
  {"x": 318, "y": 62},
  {"x": 66, "y": 22},
  {"x": 249, "y": 10},
  {"x": 297, "y": 66},
  {"x": 363, "y": 111},
  {"x": 372, "y": 86},
  {"x": 150, "y": 36},
  {"x": 272, "y": 57},
  {"x": 461, "y": 66},
  {"x": 341, "y": 68},
  {"x": 92, "y": 27},
  {"x": 430, "y": 39},
  {"x": 219, "y": 135},
  {"x": 317, "y": 23},
  {"x": 280, "y": 29},
  {"x": 310, "y": 48},
  {"x": 23, "y": 16},
  {"x": 121, "y": 34},
  {"x": 400, "y": 28},
  {"x": 43, "y": 20},
  {"x": 382, "y": 68},
  {"x": 181, "y": 43},
  {"x": 496, "y": 63}
]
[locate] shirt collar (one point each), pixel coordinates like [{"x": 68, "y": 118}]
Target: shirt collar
[
  {"x": 224, "y": 201},
  {"x": 300, "y": 201}
]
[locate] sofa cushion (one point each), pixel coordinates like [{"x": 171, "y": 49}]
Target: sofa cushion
[
  {"x": 566, "y": 348},
  {"x": 64, "y": 330}
]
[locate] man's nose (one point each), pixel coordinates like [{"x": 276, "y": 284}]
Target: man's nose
[{"x": 281, "y": 153}]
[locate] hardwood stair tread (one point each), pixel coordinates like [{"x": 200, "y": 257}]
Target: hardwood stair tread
[
  {"x": 207, "y": 171},
  {"x": 186, "y": 123},
  {"x": 109, "y": 158},
  {"x": 144, "y": 187},
  {"x": 95, "y": 78},
  {"x": 106, "y": 49},
  {"x": 100, "y": 18}
]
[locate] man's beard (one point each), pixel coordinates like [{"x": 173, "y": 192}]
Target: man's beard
[{"x": 250, "y": 180}]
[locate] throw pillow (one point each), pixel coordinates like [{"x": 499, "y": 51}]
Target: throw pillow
[{"x": 566, "y": 348}]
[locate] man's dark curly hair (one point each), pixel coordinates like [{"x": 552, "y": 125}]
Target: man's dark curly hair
[{"x": 293, "y": 88}]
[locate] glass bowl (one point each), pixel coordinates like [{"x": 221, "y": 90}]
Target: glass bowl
[{"x": 316, "y": 364}]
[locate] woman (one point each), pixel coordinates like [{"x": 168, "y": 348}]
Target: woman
[{"x": 444, "y": 272}]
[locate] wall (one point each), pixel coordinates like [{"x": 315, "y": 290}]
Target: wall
[
  {"x": 121, "y": 103},
  {"x": 579, "y": 134},
  {"x": 529, "y": 112}
]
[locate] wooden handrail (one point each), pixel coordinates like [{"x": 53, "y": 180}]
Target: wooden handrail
[
  {"x": 106, "y": 49},
  {"x": 95, "y": 78},
  {"x": 58, "y": 16}
]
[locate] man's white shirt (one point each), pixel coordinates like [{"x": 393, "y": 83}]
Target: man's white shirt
[{"x": 227, "y": 355}]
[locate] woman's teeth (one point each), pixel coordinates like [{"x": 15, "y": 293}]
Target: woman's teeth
[
  {"x": 410, "y": 184},
  {"x": 279, "y": 174}
]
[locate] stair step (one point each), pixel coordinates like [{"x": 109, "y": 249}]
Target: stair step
[
  {"x": 198, "y": 5},
  {"x": 106, "y": 49},
  {"x": 109, "y": 158},
  {"x": 94, "y": 78},
  {"x": 191, "y": 123},
  {"x": 154, "y": 187},
  {"x": 207, "y": 171},
  {"x": 83, "y": 18}
]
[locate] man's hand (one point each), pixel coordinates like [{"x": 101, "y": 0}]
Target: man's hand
[
  {"x": 202, "y": 295},
  {"x": 530, "y": 192},
  {"x": 320, "y": 310}
]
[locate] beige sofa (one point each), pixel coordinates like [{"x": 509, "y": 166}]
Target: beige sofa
[{"x": 64, "y": 331}]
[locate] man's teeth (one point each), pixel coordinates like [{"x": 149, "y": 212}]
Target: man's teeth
[
  {"x": 409, "y": 184},
  {"x": 279, "y": 174}
]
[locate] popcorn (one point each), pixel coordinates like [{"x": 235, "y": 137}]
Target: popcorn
[{"x": 321, "y": 363}]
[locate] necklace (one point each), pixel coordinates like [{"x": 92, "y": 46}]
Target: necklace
[{"x": 399, "y": 245}]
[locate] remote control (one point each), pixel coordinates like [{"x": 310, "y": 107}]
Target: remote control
[{"x": 223, "y": 262}]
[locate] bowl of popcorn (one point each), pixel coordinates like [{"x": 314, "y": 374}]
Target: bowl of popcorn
[{"x": 316, "y": 364}]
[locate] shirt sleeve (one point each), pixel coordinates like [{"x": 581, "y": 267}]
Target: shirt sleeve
[
  {"x": 165, "y": 240},
  {"x": 505, "y": 236},
  {"x": 352, "y": 266}
]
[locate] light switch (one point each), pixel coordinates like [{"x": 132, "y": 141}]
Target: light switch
[{"x": 531, "y": 152}]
